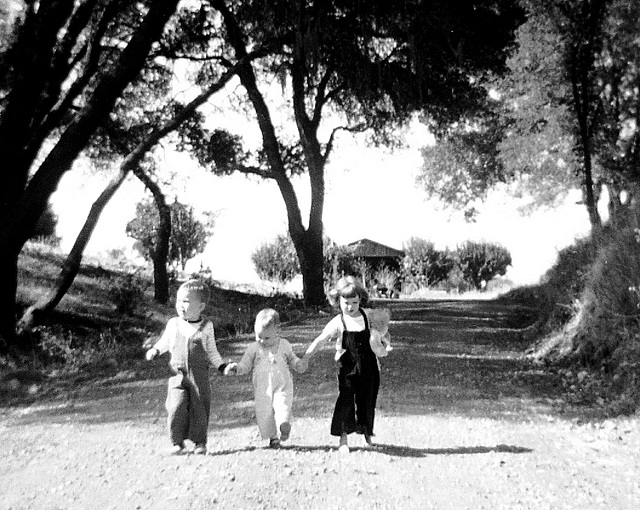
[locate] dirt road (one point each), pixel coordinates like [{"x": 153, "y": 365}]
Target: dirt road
[{"x": 463, "y": 422}]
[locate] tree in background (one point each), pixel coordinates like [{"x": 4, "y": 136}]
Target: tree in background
[
  {"x": 423, "y": 265},
  {"x": 481, "y": 262},
  {"x": 46, "y": 226},
  {"x": 357, "y": 68},
  {"x": 276, "y": 260},
  {"x": 463, "y": 166},
  {"x": 188, "y": 236},
  {"x": 63, "y": 65},
  {"x": 550, "y": 101},
  {"x": 565, "y": 115}
]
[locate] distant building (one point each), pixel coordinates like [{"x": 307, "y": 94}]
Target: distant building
[{"x": 377, "y": 255}]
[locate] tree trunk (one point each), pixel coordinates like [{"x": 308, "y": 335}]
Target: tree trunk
[
  {"x": 161, "y": 250},
  {"x": 582, "y": 58},
  {"x": 160, "y": 255},
  {"x": 311, "y": 262},
  {"x": 8, "y": 288},
  {"x": 307, "y": 242}
]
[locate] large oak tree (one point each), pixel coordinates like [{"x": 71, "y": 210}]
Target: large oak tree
[
  {"x": 64, "y": 65},
  {"x": 352, "y": 67}
]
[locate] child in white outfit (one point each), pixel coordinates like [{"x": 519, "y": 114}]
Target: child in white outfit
[{"x": 269, "y": 358}]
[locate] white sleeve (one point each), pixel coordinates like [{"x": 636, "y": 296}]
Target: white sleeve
[
  {"x": 331, "y": 331},
  {"x": 210, "y": 342},
  {"x": 169, "y": 332}
]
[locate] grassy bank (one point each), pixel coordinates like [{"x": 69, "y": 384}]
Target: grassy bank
[{"x": 108, "y": 317}]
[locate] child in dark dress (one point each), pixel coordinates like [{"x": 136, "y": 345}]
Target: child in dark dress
[{"x": 358, "y": 370}]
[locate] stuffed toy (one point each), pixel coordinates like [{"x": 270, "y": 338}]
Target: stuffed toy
[{"x": 379, "y": 323}]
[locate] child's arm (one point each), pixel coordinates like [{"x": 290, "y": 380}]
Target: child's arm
[
  {"x": 231, "y": 368},
  {"x": 209, "y": 341},
  {"x": 162, "y": 345},
  {"x": 330, "y": 331},
  {"x": 245, "y": 365},
  {"x": 300, "y": 365}
]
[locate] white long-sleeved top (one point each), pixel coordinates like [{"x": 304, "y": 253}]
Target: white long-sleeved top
[{"x": 178, "y": 330}]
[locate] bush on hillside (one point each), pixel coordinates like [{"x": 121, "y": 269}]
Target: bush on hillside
[
  {"x": 611, "y": 300},
  {"x": 589, "y": 304}
]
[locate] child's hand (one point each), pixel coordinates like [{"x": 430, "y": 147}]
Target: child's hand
[
  {"x": 303, "y": 366},
  {"x": 151, "y": 354},
  {"x": 231, "y": 369},
  {"x": 178, "y": 368}
]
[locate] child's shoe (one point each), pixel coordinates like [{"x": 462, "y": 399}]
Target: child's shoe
[
  {"x": 177, "y": 449},
  {"x": 368, "y": 441},
  {"x": 344, "y": 446},
  {"x": 200, "y": 449},
  {"x": 274, "y": 442},
  {"x": 285, "y": 430}
]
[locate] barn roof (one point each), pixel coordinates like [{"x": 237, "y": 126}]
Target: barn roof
[{"x": 367, "y": 248}]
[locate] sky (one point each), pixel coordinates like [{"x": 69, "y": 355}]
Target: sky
[{"x": 371, "y": 193}]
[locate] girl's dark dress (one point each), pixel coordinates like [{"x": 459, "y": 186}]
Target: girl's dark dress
[{"x": 358, "y": 384}]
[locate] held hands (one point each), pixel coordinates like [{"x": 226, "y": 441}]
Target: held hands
[
  {"x": 231, "y": 369},
  {"x": 151, "y": 354},
  {"x": 303, "y": 365},
  {"x": 178, "y": 368}
]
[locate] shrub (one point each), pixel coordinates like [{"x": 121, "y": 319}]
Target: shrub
[
  {"x": 423, "y": 265},
  {"x": 387, "y": 279},
  {"x": 126, "y": 292},
  {"x": 276, "y": 260},
  {"x": 611, "y": 299},
  {"x": 480, "y": 262},
  {"x": 45, "y": 227}
]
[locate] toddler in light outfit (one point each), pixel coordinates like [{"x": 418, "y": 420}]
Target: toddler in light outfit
[{"x": 269, "y": 359}]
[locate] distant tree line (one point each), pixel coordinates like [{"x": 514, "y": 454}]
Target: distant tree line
[{"x": 471, "y": 265}]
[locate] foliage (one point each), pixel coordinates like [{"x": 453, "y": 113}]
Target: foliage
[
  {"x": 276, "y": 260},
  {"x": 481, "y": 262},
  {"x": 64, "y": 64},
  {"x": 364, "y": 68},
  {"x": 537, "y": 148},
  {"x": 463, "y": 165},
  {"x": 387, "y": 279},
  {"x": 423, "y": 265},
  {"x": 189, "y": 235},
  {"x": 46, "y": 225},
  {"x": 611, "y": 300},
  {"x": 339, "y": 261},
  {"x": 126, "y": 292}
]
